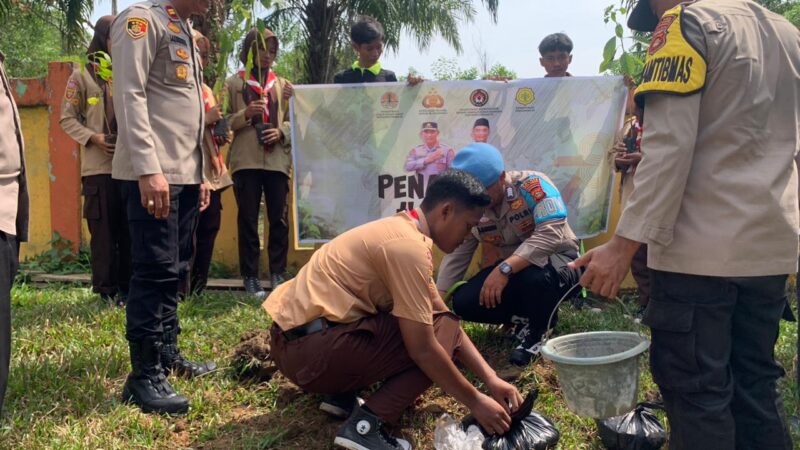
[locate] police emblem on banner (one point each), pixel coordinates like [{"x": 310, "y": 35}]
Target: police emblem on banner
[
  {"x": 525, "y": 96},
  {"x": 136, "y": 27},
  {"x": 479, "y": 97},
  {"x": 433, "y": 100}
]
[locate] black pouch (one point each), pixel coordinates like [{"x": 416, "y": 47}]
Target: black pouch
[
  {"x": 640, "y": 429},
  {"x": 529, "y": 430}
]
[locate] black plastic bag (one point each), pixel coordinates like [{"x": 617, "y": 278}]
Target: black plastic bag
[
  {"x": 640, "y": 429},
  {"x": 529, "y": 430}
]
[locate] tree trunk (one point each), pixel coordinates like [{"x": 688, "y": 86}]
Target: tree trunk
[{"x": 321, "y": 23}]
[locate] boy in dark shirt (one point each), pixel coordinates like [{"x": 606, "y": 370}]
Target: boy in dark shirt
[
  {"x": 367, "y": 41},
  {"x": 556, "y": 55}
]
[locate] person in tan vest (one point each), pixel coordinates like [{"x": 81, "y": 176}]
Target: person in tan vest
[
  {"x": 87, "y": 116},
  {"x": 716, "y": 201},
  {"x": 260, "y": 157},
  {"x": 215, "y": 135},
  {"x": 158, "y": 100},
  {"x": 14, "y": 205}
]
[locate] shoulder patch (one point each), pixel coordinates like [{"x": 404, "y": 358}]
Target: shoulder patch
[
  {"x": 534, "y": 187},
  {"x": 672, "y": 65},
  {"x": 72, "y": 87},
  {"x": 136, "y": 27}
]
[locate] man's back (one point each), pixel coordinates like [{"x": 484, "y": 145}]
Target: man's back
[{"x": 737, "y": 215}]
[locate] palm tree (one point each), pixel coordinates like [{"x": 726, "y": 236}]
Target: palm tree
[
  {"x": 324, "y": 25},
  {"x": 74, "y": 14}
]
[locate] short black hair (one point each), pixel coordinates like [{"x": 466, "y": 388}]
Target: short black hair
[
  {"x": 366, "y": 30},
  {"x": 556, "y": 42},
  {"x": 459, "y": 186}
]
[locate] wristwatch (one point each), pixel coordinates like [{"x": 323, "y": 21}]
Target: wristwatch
[{"x": 506, "y": 269}]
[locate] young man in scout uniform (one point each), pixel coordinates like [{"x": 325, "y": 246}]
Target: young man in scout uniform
[
  {"x": 430, "y": 157},
  {"x": 87, "y": 116},
  {"x": 527, "y": 222},
  {"x": 13, "y": 215},
  {"x": 555, "y": 52},
  {"x": 365, "y": 309},
  {"x": 715, "y": 200},
  {"x": 159, "y": 107},
  {"x": 480, "y": 130}
]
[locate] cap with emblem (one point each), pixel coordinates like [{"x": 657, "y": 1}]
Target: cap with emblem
[
  {"x": 430, "y": 126},
  {"x": 482, "y": 122},
  {"x": 642, "y": 17},
  {"x": 480, "y": 160}
]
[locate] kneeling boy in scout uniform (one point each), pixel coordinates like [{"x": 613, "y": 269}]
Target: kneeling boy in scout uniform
[
  {"x": 527, "y": 222},
  {"x": 365, "y": 309}
]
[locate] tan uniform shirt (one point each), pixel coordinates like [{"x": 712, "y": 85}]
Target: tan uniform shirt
[
  {"x": 157, "y": 98},
  {"x": 81, "y": 119},
  {"x": 524, "y": 227},
  {"x": 13, "y": 187},
  {"x": 246, "y": 152},
  {"x": 716, "y": 191},
  {"x": 382, "y": 266}
]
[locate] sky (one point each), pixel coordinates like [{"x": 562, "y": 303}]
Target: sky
[{"x": 512, "y": 41}]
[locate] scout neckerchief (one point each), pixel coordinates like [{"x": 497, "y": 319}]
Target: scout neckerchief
[
  {"x": 261, "y": 91},
  {"x": 208, "y": 103}
]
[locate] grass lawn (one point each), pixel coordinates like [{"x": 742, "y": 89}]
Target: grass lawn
[{"x": 70, "y": 360}]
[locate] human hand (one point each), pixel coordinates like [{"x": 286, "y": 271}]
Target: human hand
[
  {"x": 626, "y": 159},
  {"x": 434, "y": 156},
  {"x": 413, "y": 80},
  {"x": 271, "y": 136},
  {"x": 213, "y": 115},
  {"x": 99, "y": 140},
  {"x": 205, "y": 195},
  {"x": 504, "y": 393},
  {"x": 490, "y": 415},
  {"x": 497, "y": 78},
  {"x": 492, "y": 290},
  {"x": 288, "y": 90},
  {"x": 255, "y": 108},
  {"x": 606, "y": 266},
  {"x": 154, "y": 192}
]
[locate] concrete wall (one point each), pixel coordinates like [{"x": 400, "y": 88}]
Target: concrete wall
[{"x": 53, "y": 163}]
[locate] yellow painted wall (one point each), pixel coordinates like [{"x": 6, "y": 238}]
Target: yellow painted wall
[{"x": 37, "y": 159}]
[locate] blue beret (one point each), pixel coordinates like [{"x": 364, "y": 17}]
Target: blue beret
[{"x": 480, "y": 160}]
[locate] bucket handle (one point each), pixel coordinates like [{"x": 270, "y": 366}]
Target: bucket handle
[{"x": 566, "y": 295}]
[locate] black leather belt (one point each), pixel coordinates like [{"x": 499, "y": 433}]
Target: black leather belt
[{"x": 312, "y": 327}]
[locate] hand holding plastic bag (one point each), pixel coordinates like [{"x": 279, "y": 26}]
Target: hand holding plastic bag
[
  {"x": 449, "y": 435},
  {"x": 529, "y": 430}
]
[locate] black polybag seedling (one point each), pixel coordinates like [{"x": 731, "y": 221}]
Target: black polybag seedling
[
  {"x": 640, "y": 429},
  {"x": 529, "y": 430}
]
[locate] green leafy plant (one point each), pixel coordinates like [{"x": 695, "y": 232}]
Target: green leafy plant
[
  {"x": 59, "y": 259},
  {"x": 623, "y": 54}
]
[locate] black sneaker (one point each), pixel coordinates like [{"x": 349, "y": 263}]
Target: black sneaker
[
  {"x": 364, "y": 431},
  {"x": 530, "y": 348},
  {"x": 277, "y": 279},
  {"x": 252, "y": 286},
  {"x": 340, "y": 405}
]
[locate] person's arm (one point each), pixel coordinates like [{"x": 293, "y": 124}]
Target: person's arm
[
  {"x": 133, "y": 57},
  {"x": 413, "y": 163},
  {"x": 433, "y": 360},
  {"x": 72, "y": 108},
  {"x": 286, "y": 126},
  {"x": 454, "y": 265}
]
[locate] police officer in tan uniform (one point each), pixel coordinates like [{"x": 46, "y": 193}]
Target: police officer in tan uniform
[
  {"x": 87, "y": 116},
  {"x": 159, "y": 106},
  {"x": 715, "y": 200},
  {"x": 13, "y": 215},
  {"x": 527, "y": 223},
  {"x": 431, "y": 157}
]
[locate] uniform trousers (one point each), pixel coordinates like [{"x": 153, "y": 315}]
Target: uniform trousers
[
  {"x": 204, "y": 237},
  {"x": 105, "y": 213},
  {"x": 532, "y": 293},
  {"x": 248, "y": 186},
  {"x": 161, "y": 254},
  {"x": 9, "y": 263},
  {"x": 712, "y": 356},
  {"x": 353, "y": 356}
]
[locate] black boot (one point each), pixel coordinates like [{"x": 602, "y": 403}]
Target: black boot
[
  {"x": 174, "y": 362},
  {"x": 147, "y": 385}
]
